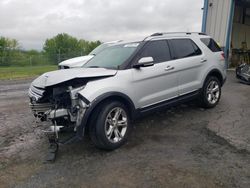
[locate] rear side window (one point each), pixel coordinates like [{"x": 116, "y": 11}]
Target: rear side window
[
  {"x": 159, "y": 50},
  {"x": 211, "y": 44},
  {"x": 185, "y": 48}
]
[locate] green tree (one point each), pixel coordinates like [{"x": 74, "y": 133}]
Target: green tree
[
  {"x": 87, "y": 46},
  {"x": 8, "y": 50},
  {"x": 64, "y": 46}
]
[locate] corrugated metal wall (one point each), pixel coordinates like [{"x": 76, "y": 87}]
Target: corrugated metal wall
[{"x": 217, "y": 20}]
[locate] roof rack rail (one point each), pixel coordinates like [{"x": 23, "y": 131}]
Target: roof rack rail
[
  {"x": 156, "y": 34},
  {"x": 188, "y": 33},
  {"x": 165, "y": 33}
]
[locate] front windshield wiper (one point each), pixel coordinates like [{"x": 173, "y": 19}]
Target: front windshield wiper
[{"x": 94, "y": 66}]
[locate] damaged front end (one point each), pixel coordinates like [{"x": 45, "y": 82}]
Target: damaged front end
[
  {"x": 54, "y": 97},
  {"x": 59, "y": 104}
]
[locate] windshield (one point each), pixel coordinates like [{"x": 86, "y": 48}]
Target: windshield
[
  {"x": 98, "y": 49},
  {"x": 113, "y": 56}
]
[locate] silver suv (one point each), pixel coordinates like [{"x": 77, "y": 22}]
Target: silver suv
[{"x": 127, "y": 80}]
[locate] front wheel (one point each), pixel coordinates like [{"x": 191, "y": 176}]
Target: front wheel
[
  {"x": 111, "y": 127},
  {"x": 211, "y": 92}
]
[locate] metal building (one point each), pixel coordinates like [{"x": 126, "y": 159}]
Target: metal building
[{"x": 228, "y": 22}]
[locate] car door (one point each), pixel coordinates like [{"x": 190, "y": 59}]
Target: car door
[
  {"x": 189, "y": 61},
  {"x": 157, "y": 83}
]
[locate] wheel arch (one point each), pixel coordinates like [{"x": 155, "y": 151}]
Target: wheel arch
[
  {"x": 217, "y": 74},
  {"x": 101, "y": 99}
]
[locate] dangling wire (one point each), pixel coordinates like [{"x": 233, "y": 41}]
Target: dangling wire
[{"x": 55, "y": 124}]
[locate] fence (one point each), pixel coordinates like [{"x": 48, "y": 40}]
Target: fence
[{"x": 22, "y": 59}]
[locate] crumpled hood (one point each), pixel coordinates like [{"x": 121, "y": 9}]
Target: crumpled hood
[{"x": 60, "y": 76}]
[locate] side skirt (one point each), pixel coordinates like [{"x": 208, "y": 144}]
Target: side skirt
[{"x": 168, "y": 103}]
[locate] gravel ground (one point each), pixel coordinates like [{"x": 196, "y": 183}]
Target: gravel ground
[
  {"x": 186, "y": 146},
  {"x": 233, "y": 122}
]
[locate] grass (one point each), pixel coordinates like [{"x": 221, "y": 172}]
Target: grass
[{"x": 8, "y": 73}]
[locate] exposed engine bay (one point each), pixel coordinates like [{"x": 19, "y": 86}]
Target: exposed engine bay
[
  {"x": 54, "y": 95},
  {"x": 58, "y": 103}
]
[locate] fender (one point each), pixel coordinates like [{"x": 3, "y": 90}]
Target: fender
[
  {"x": 96, "y": 102},
  {"x": 217, "y": 73}
]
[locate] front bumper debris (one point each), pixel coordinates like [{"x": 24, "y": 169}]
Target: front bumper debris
[
  {"x": 63, "y": 108},
  {"x": 243, "y": 73}
]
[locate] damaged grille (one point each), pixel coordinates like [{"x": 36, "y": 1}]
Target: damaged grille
[{"x": 40, "y": 108}]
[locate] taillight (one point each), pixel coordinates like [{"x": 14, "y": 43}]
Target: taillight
[{"x": 223, "y": 55}]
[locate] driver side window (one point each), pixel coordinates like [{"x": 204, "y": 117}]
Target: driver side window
[{"x": 158, "y": 50}]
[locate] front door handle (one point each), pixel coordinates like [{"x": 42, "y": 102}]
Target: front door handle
[
  {"x": 203, "y": 60},
  {"x": 168, "y": 68}
]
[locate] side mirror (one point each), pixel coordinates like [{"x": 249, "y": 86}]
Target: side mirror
[{"x": 144, "y": 62}]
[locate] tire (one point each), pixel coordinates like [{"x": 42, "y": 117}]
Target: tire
[
  {"x": 110, "y": 126},
  {"x": 211, "y": 92}
]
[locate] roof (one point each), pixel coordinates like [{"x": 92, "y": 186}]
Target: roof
[{"x": 160, "y": 36}]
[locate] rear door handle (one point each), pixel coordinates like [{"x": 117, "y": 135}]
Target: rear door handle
[
  {"x": 203, "y": 60},
  {"x": 168, "y": 68}
]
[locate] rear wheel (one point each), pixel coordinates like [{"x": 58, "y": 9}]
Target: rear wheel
[
  {"x": 211, "y": 92},
  {"x": 111, "y": 127}
]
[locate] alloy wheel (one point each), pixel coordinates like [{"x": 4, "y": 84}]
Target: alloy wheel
[
  {"x": 213, "y": 92},
  {"x": 116, "y": 124}
]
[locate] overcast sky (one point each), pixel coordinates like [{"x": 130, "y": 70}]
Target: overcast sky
[{"x": 31, "y": 22}]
